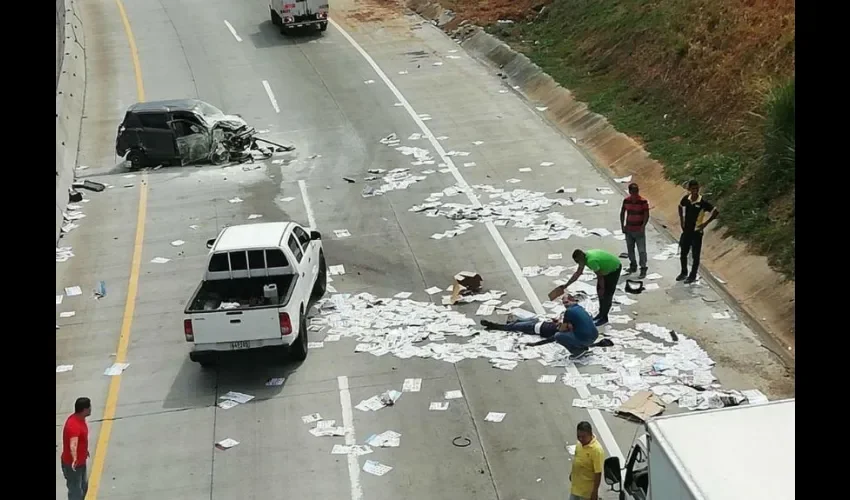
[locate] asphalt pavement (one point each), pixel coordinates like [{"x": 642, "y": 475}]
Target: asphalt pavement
[{"x": 322, "y": 93}]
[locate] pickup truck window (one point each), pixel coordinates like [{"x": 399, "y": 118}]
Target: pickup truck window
[
  {"x": 302, "y": 236},
  {"x": 275, "y": 258},
  {"x": 256, "y": 259},
  {"x": 238, "y": 261},
  {"x": 219, "y": 264},
  {"x": 296, "y": 248}
]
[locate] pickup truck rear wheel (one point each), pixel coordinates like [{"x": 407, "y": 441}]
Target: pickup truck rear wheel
[
  {"x": 321, "y": 285},
  {"x": 205, "y": 360},
  {"x": 298, "y": 350}
]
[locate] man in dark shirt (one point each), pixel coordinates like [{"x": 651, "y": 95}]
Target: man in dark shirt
[
  {"x": 576, "y": 331},
  {"x": 692, "y": 212},
  {"x": 75, "y": 450},
  {"x": 634, "y": 215}
]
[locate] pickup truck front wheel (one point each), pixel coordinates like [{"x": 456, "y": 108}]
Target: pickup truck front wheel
[{"x": 298, "y": 350}]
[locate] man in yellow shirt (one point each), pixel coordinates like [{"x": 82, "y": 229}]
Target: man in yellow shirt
[{"x": 587, "y": 465}]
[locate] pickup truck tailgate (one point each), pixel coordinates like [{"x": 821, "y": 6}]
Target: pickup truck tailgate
[{"x": 236, "y": 325}]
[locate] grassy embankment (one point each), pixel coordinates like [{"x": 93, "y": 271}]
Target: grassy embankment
[{"x": 706, "y": 86}]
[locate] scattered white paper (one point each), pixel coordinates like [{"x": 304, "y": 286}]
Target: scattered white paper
[
  {"x": 59, "y": 299},
  {"x": 469, "y": 164},
  {"x": 227, "y": 404},
  {"x": 277, "y": 381},
  {"x": 116, "y": 369},
  {"x": 494, "y": 417},
  {"x": 376, "y": 468},
  {"x": 369, "y": 82},
  {"x": 386, "y": 439},
  {"x": 653, "y": 276},
  {"x": 453, "y": 394},
  {"x": 439, "y": 406},
  {"x": 287, "y": 199},
  {"x": 571, "y": 449},
  {"x": 624, "y": 180},
  {"x": 542, "y": 108},
  {"x": 513, "y": 181},
  {"x": 160, "y": 260},
  {"x": 336, "y": 270},
  {"x": 402, "y": 295},
  {"x": 309, "y": 419},
  {"x": 546, "y": 164},
  {"x": 226, "y": 444},
  {"x": 411, "y": 385},
  {"x": 721, "y": 315},
  {"x": 341, "y": 233},
  {"x": 651, "y": 286},
  {"x": 177, "y": 243},
  {"x": 237, "y": 396},
  {"x": 754, "y": 396},
  {"x": 254, "y": 216},
  {"x": 67, "y": 314},
  {"x": 433, "y": 290},
  {"x": 315, "y": 345},
  {"x": 547, "y": 379},
  {"x": 64, "y": 368},
  {"x": 236, "y": 200},
  {"x": 72, "y": 291},
  {"x": 525, "y": 169}
]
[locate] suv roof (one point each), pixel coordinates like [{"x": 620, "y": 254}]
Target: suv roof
[
  {"x": 251, "y": 236},
  {"x": 193, "y": 105}
]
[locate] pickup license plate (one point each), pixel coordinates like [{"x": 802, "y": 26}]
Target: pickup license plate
[{"x": 242, "y": 344}]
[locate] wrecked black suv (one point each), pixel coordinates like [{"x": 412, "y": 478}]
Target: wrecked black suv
[{"x": 186, "y": 132}]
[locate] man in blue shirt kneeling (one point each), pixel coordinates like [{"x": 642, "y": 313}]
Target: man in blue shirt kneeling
[{"x": 576, "y": 331}]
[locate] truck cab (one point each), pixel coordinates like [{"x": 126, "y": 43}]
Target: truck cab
[
  {"x": 743, "y": 452},
  {"x": 257, "y": 288}
]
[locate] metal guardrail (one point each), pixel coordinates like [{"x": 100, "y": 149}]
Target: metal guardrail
[{"x": 60, "y": 37}]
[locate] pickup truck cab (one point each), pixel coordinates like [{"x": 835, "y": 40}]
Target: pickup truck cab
[{"x": 258, "y": 286}]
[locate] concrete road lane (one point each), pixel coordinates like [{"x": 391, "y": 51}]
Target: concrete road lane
[{"x": 320, "y": 93}]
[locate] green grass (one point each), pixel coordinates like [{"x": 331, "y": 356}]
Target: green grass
[{"x": 749, "y": 174}]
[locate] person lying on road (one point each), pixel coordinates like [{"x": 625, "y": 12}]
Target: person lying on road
[{"x": 575, "y": 331}]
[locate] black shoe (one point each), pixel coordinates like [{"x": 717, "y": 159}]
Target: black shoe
[
  {"x": 681, "y": 276},
  {"x": 642, "y": 273},
  {"x": 489, "y": 325},
  {"x": 584, "y": 352},
  {"x": 631, "y": 269},
  {"x": 690, "y": 280},
  {"x": 600, "y": 321}
]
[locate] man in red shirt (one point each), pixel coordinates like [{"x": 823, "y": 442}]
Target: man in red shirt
[
  {"x": 75, "y": 450},
  {"x": 634, "y": 216}
]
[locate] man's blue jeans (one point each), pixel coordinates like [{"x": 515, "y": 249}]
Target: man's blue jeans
[{"x": 548, "y": 329}]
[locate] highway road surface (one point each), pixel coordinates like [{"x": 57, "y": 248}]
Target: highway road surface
[{"x": 334, "y": 95}]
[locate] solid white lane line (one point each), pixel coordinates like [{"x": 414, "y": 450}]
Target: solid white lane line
[
  {"x": 271, "y": 96},
  {"x": 232, "y": 31},
  {"x": 311, "y": 219},
  {"x": 348, "y": 423},
  {"x": 601, "y": 427}
]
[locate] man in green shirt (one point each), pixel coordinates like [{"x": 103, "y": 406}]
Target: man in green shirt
[{"x": 607, "y": 268}]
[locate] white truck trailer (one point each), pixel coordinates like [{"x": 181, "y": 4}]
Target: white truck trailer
[{"x": 737, "y": 453}]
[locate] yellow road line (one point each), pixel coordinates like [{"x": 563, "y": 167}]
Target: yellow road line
[
  {"x": 132, "y": 289},
  {"x": 134, "y": 52}
]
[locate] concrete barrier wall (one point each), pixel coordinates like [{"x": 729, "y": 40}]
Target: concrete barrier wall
[
  {"x": 765, "y": 297},
  {"x": 70, "y": 96}
]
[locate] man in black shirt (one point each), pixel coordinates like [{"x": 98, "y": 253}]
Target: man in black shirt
[{"x": 692, "y": 211}]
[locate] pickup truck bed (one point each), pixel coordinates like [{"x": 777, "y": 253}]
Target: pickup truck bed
[{"x": 235, "y": 294}]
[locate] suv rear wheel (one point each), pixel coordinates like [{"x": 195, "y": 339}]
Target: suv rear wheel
[{"x": 136, "y": 158}]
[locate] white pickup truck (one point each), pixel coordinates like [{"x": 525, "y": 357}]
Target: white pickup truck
[
  {"x": 259, "y": 284},
  {"x": 290, "y": 14}
]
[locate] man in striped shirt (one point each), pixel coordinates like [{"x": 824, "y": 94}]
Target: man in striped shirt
[{"x": 634, "y": 216}]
